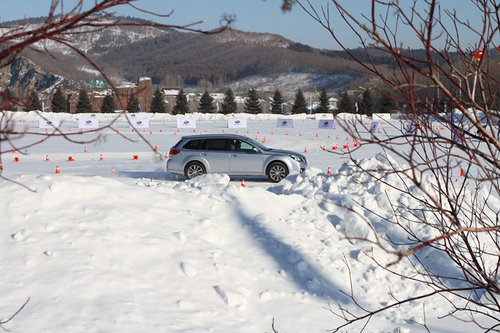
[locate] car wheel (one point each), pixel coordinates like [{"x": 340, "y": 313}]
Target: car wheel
[
  {"x": 194, "y": 169},
  {"x": 277, "y": 171}
]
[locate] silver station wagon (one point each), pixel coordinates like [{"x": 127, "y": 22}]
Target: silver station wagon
[{"x": 232, "y": 154}]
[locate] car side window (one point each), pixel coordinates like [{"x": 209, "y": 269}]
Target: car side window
[
  {"x": 194, "y": 144},
  {"x": 217, "y": 144},
  {"x": 244, "y": 146}
]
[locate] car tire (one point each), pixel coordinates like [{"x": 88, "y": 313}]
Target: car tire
[
  {"x": 194, "y": 169},
  {"x": 276, "y": 171}
]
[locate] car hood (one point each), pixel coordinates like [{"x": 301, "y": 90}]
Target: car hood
[{"x": 285, "y": 152}]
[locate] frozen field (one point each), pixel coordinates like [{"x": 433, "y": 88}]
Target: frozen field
[{"x": 142, "y": 250}]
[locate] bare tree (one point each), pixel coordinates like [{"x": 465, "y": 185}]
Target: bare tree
[{"x": 433, "y": 146}]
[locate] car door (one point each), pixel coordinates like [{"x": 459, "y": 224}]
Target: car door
[
  {"x": 246, "y": 159},
  {"x": 217, "y": 155}
]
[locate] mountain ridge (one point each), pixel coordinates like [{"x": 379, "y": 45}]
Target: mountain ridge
[{"x": 177, "y": 58}]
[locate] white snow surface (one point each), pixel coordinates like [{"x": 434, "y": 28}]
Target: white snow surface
[{"x": 142, "y": 250}]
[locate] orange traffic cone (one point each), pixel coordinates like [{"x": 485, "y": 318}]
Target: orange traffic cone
[
  {"x": 47, "y": 159},
  {"x": 462, "y": 173},
  {"x": 156, "y": 148},
  {"x": 166, "y": 156},
  {"x": 101, "y": 158},
  {"x": 57, "y": 170},
  {"x": 329, "y": 171},
  {"x": 243, "y": 183},
  {"x": 135, "y": 157},
  {"x": 85, "y": 150},
  {"x": 305, "y": 150}
]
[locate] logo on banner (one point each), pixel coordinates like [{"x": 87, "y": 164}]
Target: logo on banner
[
  {"x": 88, "y": 123},
  {"x": 326, "y": 124},
  {"x": 140, "y": 123},
  {"x": 236, "y": 123},
  {"x": 186, "y": 123},
  {"x": 48, "y": 123},
  {"x": 284, "y": 123}
]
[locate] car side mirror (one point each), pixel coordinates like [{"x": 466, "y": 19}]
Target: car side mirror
[{"x": 255, "y": 150}]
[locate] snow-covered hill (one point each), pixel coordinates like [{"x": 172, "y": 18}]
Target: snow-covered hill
[{"x": 120, "y": 245}]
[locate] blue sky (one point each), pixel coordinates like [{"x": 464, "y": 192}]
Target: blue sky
[{"x": 252, "y": 15}]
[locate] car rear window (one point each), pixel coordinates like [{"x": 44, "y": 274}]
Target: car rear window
[
  {"x": 216, "y": 144},
  {"x": 194, "y": 144}
]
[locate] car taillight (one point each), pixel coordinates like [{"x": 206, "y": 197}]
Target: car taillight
[{"x": 174, "y": 152}]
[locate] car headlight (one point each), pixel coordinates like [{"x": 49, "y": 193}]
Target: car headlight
[{"x": 297, "y": 158}]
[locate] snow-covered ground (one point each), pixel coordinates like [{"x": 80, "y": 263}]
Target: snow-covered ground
[{"x": 142, "y": 250}]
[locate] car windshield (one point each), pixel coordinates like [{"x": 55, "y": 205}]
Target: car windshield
[{"x": 257, "y": 144}]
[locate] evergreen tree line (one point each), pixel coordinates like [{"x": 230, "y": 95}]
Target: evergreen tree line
[{"x": 367, "y": 103}]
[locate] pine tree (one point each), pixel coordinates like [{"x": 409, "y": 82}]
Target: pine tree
[
  {"x": 206, "y": 103},
  {"x": 324, "y": 104},
  {"x": 32, "y": 102},
  {"x": 58, "y": 103},
  {"x": 108, "y": 104},
  {"x": 300, "y": 104},
  {"x": 387, "y": 104},
  {"x": 181, "y": 104},
  {"x": 157, "y": 103},
  {"x": 346, "y": 104},
  {"x": 83, "y": 105},
  {"x": 367, "y": 105},
  {"x": 132, "y": 104},
  {"x": 252, "y": 103},
  {"x": 277, "y": 102},
  {"x": 229, "y": 104}
]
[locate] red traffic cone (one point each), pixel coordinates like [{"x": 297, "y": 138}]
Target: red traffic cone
[
  {"x": 166, "y": 156},
  {"x": 47, "y": 159},
  {"x": 243, "y": 183},
  {"x": 101, "y": 158},
  {"x": 1, "y": 167},
  {"x": 112, "y": 171},
  {"x": 135, "y": 157},
  {"x": 57, "y": 170},
  {"x": 329, "y": 171},
  {"x": 462, "y": 173},
  {"x": 305, "y": 150},
  {"x": 85, "y": 150},
  {"x": 317, "y": 135},
  {"x": 71, "y": 159},
  {"x": 16, "y": 159}
]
